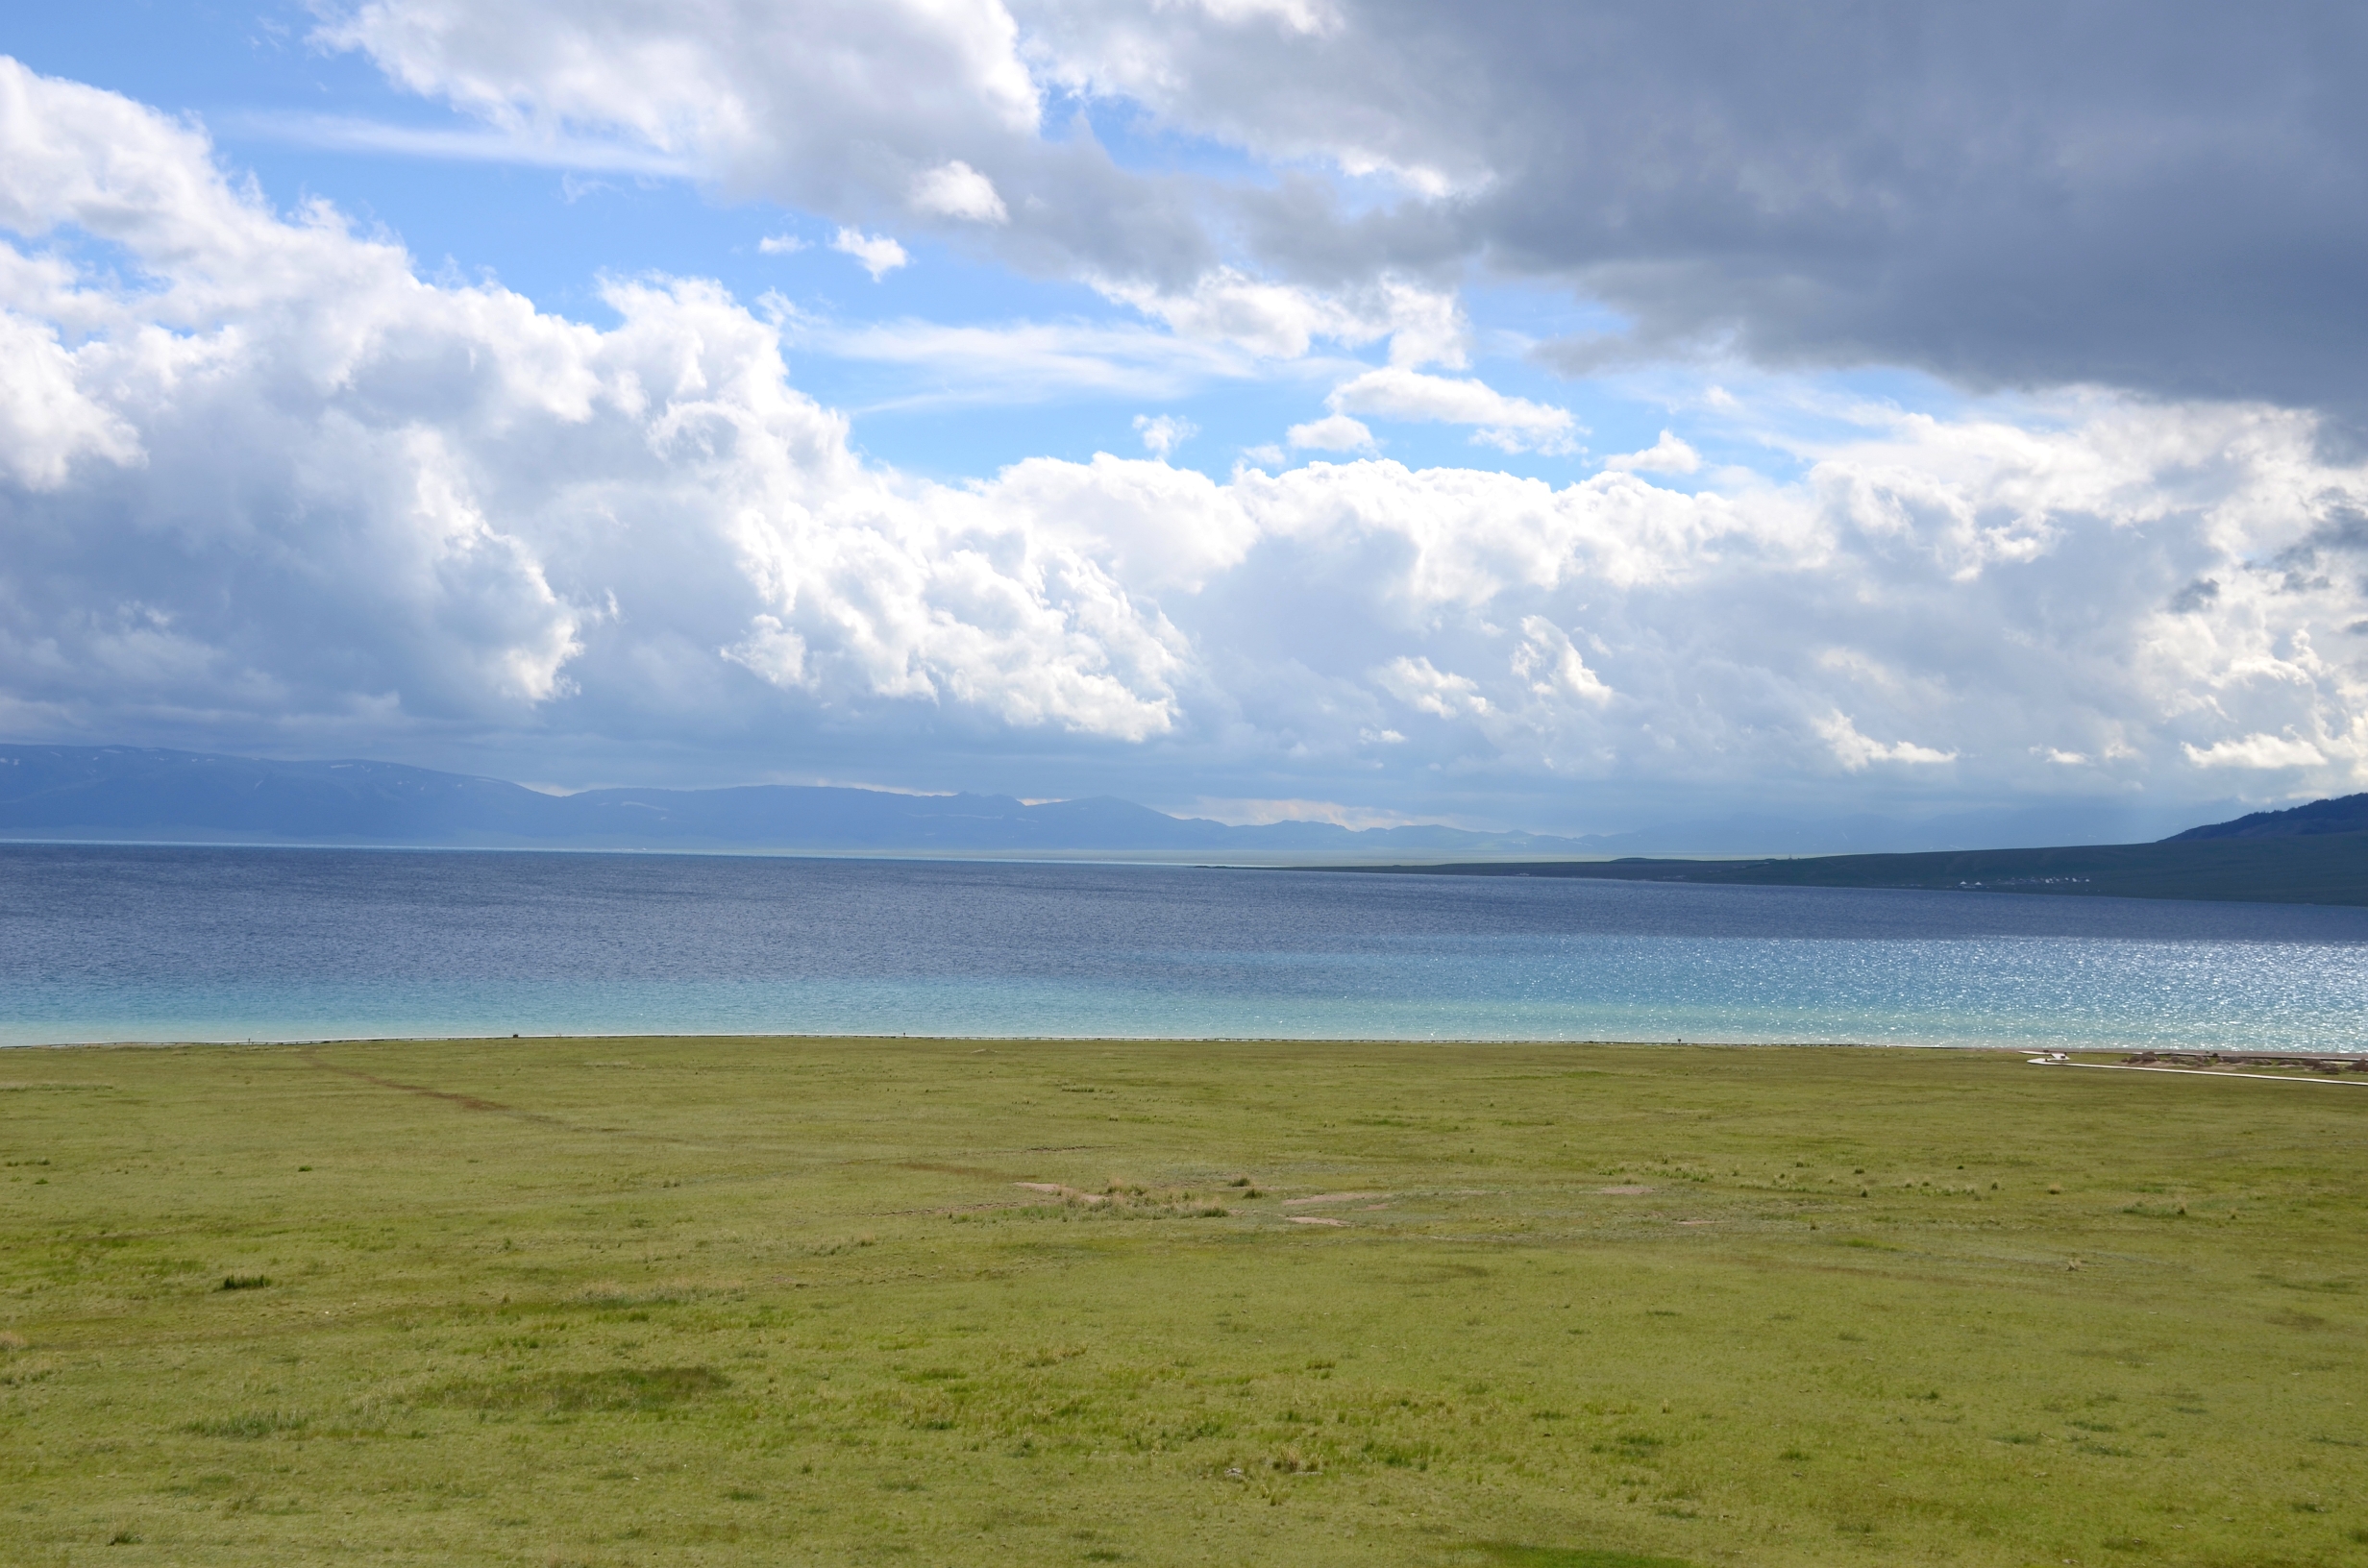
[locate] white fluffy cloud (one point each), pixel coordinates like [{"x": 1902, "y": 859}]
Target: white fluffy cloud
[
  {"x": 259, "y": 479},
  {"x": 956, "y": 190},
  {"x": 876, "y": 253},
  {"x": 1414, "y": 683},
  {"x": 1334, "y": 432},
  {"x": 1553, "y": 665},
  {"x": 1666, "y": 456},
  {"x": 1163, "y": 433},
  {"x": 820, "y": 107},
  {"x": 2259, "y": 751},
  {"x": 281, "y": 475},
  {"x": 1857, "y": 753}
]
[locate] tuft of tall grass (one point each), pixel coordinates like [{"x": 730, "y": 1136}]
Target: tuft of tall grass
[
  {"x": 248, "y": 1426},
  {"x": 555, "y": 1393}
]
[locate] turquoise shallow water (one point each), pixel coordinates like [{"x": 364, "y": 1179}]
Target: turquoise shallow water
[{"x": 176, "y": 943}]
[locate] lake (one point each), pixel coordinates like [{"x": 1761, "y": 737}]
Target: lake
[{"x": 153, "y": 944}]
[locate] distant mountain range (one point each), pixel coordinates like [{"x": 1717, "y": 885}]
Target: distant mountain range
[
  {"x": 125, "y": 794},
  {"x": 128, "y": 794}
]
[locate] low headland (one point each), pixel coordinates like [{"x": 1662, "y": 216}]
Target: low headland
[
  {"x": 745, "y": 1301},
  {"x": 2313, "y": 854}
]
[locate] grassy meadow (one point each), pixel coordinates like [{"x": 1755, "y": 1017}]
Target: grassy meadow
[{"x": 937, "y": 1303}]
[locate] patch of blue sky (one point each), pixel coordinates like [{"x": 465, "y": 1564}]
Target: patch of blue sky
[
  {"x": 97, "y": 264},
  {"x": 1771, "y": 421},
  {"x": 215, "y": 62},
  {"x": 301, "y": 120},
  {"x": 1139, "y": 140}
]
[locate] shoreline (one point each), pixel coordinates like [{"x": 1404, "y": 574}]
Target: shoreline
[{"x": 2316, "y": 1067}]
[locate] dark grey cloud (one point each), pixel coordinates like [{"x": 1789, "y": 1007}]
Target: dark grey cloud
[
  {"x": 2161, "y": 197},
  {"x": 2305, "y": 565},
  {"x": 2167, "y": 197}
]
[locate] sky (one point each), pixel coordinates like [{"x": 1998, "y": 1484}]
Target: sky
[{"x": 1553, "y": 416}]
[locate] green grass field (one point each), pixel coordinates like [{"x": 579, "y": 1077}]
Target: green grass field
[{"x": 679, "y": 1301}]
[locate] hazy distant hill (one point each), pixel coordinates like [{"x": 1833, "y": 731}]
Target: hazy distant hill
[
  {"x": 2313, "y": 854},
  {"x": 2345, "y": 814},
  {"x": 128, "y": 794},
  {"x": 131, "y": 794}
]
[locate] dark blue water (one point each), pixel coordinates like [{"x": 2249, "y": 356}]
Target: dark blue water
[{"x": 178, "y": 944}]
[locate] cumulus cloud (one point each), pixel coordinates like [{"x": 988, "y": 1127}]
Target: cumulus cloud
[
  {"x": 1855, "y": 753},
  {"x": 262, "y": 479},
  {"x": 1167, "y": 531},
  {"x": 1551, "y": 664},
  {"x": 1414, "y": 683},
  {"x": 876, "y": 253},
  {"x": 1163, "y": 433},
  {"x": 956, "y": 190},
  {"x": 278, "y": 475},
  {"x": 2262, "y": 751},
  {"x": 1335, "y": 432},
  {"x": 47, "y": 421},
  {"x": 1666, "y": 456},
  {"x": 760, "y": 94}
]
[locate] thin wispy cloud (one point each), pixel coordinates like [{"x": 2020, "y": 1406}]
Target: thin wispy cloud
[
  {"x": 467, "y": 144},
  {"x": 1033, "y": 359}
]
